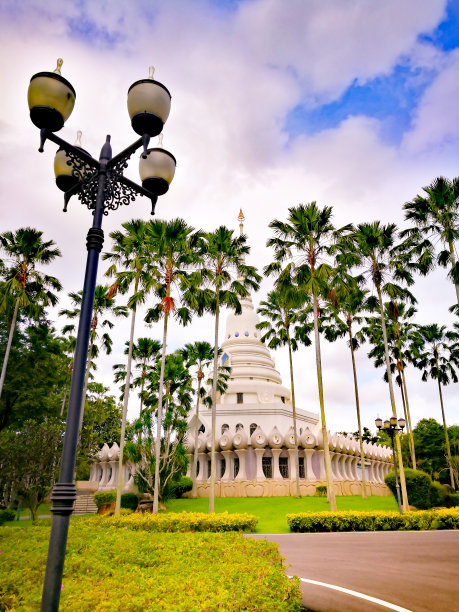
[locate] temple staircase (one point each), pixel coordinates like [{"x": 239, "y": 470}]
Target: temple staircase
[{"x": 84, "y": 504}]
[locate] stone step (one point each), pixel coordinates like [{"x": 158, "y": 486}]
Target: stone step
[{"x": 84, "y": 504}]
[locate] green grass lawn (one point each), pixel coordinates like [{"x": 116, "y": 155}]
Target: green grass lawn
[
  {"x": 43, "y": 509},
  {"x": 272, "y": 510}
]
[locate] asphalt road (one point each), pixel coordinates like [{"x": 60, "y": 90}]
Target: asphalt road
[{"x": 409, "y": 570}]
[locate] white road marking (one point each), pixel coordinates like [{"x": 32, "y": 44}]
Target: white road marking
[{"x": 375, "y": 600}]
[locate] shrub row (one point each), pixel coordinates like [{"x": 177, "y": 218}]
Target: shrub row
[
  {"x": 113, "y": 569},
  {"x": 305, "y": 522},
  {"x": 423, "y": 493},
  {"x": 128, "y": 500},
  {"x": 7, "y": 515},
  {"x": 181, "y": 521}
]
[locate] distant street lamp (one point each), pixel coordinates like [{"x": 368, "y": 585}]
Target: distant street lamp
[
  {"x": 391, "y": 428},
  {"x": 101, "y": 186}
]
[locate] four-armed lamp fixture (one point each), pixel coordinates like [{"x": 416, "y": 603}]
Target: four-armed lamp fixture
[
  {"x": 101, "y": 186},
  {"x": 392, "y": 427}
]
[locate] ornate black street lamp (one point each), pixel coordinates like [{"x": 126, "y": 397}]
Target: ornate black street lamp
[
  {"x": 101, "y": 186},
  {"x": 391, "y": 428}
]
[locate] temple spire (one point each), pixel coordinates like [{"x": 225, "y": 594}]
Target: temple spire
[{"x": 241, "y": 220}]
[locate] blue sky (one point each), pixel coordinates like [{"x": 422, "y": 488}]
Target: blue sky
[{"x": 391, "y": 98}]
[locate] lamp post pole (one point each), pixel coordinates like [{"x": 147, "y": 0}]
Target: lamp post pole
[
  {"x": 101, "y": 186},
  {"x": 390, "y": 427}
]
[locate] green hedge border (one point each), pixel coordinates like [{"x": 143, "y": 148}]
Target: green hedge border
[{"x": 309, "y": 522}]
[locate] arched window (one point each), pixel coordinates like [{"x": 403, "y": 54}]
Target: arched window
[
  {"x": 283, "y": 466},
  {"x": 225, "y": 359},
  {"x": 222, "y": 467},
  {"x": 235, "y": 467},
  {"x": 202, "y": 429},
  {"x": 267, "y": 465},
  {"x": 239, "y": 426},
  {"x": 253, "y": 426},
  {"x": 225, "y": 427}
]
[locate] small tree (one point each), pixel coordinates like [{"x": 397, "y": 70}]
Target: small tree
[{"x": 29, "y": 459}]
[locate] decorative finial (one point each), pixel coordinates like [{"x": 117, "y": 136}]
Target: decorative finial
[
  {"x": 151, "y": 72},
  {"x": 78, "y": 139},
  {"x": 241, "y": 220},
  {"x": 160, "y": 140},
  {"x": 59, "y": 66}
]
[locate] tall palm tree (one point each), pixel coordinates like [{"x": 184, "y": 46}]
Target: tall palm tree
[
  {"x": 200, "y": 356},
  {"x": 346, "y": 301},
  {"x": 436, "y": 219},
  {"x": 305, "y": 243},
  {"x": 436, "y": 354},
  {"x": 224, "y": 260},
  {"x": 104, "y": 306},
  {"x": 399, "y": 327},
  {"x": 130, "y": 259},
  {"x": 23, "y": 284},
  {"x": 175, "y": 281},
  {"x": 374, "y": 247},
  {"x": 282, "y": 311}
]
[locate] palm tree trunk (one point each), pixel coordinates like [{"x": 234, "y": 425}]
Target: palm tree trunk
[
  {"x": 8, "y": 346},
  {"x": 448, "y": 448},
  {"x": 127, "y": 387},
  {"x": 194, "y": 469},
  {"x": 159, "y": 419},
  {"x": 214, "y": 407},
  {"x": 357, "y": 407},
  {"x": 327, "y": 460},
  {"x": 402, "y": 393},
  {"x": 295, "y": 436},
  {"x": 453, "y": 261},
  {"x": 392, "y": 401},
  {"x": 85, "y": 385},
  {"x": 408, "y": 416}
]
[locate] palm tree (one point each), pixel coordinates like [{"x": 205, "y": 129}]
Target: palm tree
[
  {"x": 436, "y": 218},
  {"x": 199, "y": 355},
  {"x": 399, "y": 327},
  {"x": 436, "y": 354},
  {"x": 176, "y": 282},
  {"x": 224, "y": 256},
  {"x": 373, "y": 246},
  {"x": 282, "y": 310},
  {"x": 104, "y": 302},
  {"x": 23, "y": 283},
  {"x": 176, "y": 399},
  {"x": 346, "y": 300},
  {"x": 304, "y": 242},
  {"x": 131, "y": 255}
]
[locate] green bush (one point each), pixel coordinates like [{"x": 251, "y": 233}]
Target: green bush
[
  {"x": 130, "y": 501},
  {"x": 321, "y": 490},
  {"x": 7, "y": 515},
  {"x": 120, "y": 570},
  {"x": 309, "y": 522},
  {"x": 452, "y": 500},
  {"x": 181, "y": 521},
  {"x": 437, "y": 495},
  {"x": 182, "y": 486},
  {"x": 104, "y": 497},
  {"x": 418, "y": 485}
]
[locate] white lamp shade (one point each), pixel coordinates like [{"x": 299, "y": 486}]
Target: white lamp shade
[{"x": 157, "y": 170}]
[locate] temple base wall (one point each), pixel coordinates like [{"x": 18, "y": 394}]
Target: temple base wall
[{"x": 284, "y": 488}]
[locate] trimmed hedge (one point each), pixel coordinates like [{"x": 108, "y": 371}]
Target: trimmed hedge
[
  {"x": 125, "y": 570},
  {"x": 7, "y": 515},
  {"x": 418, "y": 485},
  {"x": 437, "y": 495},
  {"x": 184, "y": 485},
  {"x": 305, "y": 522},
  {"x": 128, "y": 500},
  {"x": 181, "y": 521}
]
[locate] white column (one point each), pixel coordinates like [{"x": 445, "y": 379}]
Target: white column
[
  {"x": 322, "y": 475},
  {"x": 276, "y": 473},
  {"x": 241, "y": 453},
  {"x": 227, "y": 456},
  {"x": 335, "y": 466},
  {"x": 292, "y": 463},
  {"x": 202, "y": 476},
  {"x": 259, "y": 452},
  {"x": 308, "y": 471},
  {"x": 114, "y": 477}
]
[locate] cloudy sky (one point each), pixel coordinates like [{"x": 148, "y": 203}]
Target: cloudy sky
[{"x": 347, "y": 102}]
